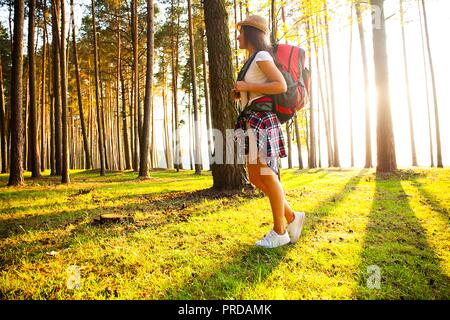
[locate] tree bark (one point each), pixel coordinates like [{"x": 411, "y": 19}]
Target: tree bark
[
  {"x": 32, "y": 127},
  {"x": 97, "y": 102},
  {"x": 433, "y": 81},
  {"x": 126, "y": 142},
  {"x": 56, "y": 86},
  {"x": 207, "y": 104},
  {"x": 385, "y": 136},
  {"x": 119, "y": 57},
  {"x": 178, "y": 161},
  {"x": 197, "y": 142},
  {"x": 350, "y": 104},
  {"x": 144, "y": 140},
  {"x": 2, "y": 122},
  {"x": 43, "y": 73},
  {"x": 408, "y": 90},
  {"x": 336, "y": 162},
  {"x": 16, "y": 169},
  {"x": 368, "y": 130},
  {"x": 223, "y": 111},
  {"x": 80, "y": 98},
  {"x": 134, "y": 26},
  {"x": 430, "y": 136},
  {"x": 65, "y": 139}
]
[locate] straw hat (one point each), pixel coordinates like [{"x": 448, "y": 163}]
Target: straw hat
[{"x": 255, "y": 21}]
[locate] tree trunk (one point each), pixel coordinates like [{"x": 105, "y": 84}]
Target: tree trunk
[
  {"x": 336, "y": 162},
  {"x": 16, "y": 169},
  {"x": 299, "y": 142},
  {"x": 325, "y": 104},
  {"x": 126, "y": 143},
  {"x": 32, "y": 127},
  {"x": 56, "y": 86},
  {"x": 223, "y": 111},
  {"x": 144, "y": 140},
  {"x": 65, "y": 139},
  {"x": 312, "y": 163},
  {"x": 273, "y": 22},
  {"x": 207, "y": 106},
  {"x": 97, "y": 102},
  {"x": 197, "y": 143},
  {"x": 80, "y": 98},
  {"x": 177, "y": 148},
  {"x": 433, "y": 81},
  {"x": 43, "y": 73},
  {"x": 168, "y": 147},
  {"x": 137, "y": 129},
  {"x": 368, "y": 129},
  {"x": 385, "y": 136},
  {"x": 408, "y": 91},
  {"x": 426, "y": 84},
  {"x": 350, "y": 112},
  {"x": 2, "y": 122},
  {"x": 119, "y": 57}
]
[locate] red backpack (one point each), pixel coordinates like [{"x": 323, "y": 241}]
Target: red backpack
[{"x": 291, "y": 63}]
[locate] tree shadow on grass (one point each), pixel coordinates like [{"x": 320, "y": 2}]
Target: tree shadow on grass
[
  {"x": 431, "y": 200},
  {"x": 253, "y": 265},
  {"x": 159, "y": 210},
  {"x": 397, "y": 262}
]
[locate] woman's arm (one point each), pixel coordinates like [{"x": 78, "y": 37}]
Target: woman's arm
[{"x": 276, "y": 85}]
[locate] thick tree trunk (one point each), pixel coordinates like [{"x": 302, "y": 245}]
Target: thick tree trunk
[
  {"x": 223, "y": 111},
  {"x": 97, "y": 102},
  {"x": 144, "y": 140},
  {"x": 16, "y": 169},
  {"x": 385, "y": 136}
]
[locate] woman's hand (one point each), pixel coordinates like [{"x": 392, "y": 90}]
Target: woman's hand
[
  {"x": 235, "y": 95},
  {"x": 241, "y": 86}
]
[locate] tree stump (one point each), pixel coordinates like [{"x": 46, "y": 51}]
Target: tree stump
[{"x": 113, "y": 218}]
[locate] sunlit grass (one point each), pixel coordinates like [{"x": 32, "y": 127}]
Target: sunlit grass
[{"x": 186, "y": 243}]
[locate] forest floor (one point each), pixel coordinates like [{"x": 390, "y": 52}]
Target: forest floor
[{"x": 365, "y": 237}]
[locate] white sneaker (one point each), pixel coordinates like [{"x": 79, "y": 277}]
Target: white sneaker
[
  {"x": 274, "y": 240},
  {"x": 295, "y": 227}
]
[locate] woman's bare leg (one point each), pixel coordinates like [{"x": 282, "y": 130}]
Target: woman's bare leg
[{"x": 254, "y": 175}]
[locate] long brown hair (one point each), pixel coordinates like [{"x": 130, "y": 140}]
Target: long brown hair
[{"x": 258, "y": 40}]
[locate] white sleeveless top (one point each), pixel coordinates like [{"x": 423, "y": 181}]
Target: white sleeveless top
[{"x": 255, "y": 75}]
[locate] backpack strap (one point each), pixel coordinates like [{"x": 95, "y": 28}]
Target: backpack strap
[{"x": 246, "y": 66}]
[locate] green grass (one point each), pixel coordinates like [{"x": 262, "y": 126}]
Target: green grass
[{"x": 189, "y": 243}]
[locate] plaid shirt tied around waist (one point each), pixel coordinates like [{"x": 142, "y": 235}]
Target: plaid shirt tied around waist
[{"x": 269, "y": 136}]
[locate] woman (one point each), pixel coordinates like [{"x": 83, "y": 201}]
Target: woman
[{"x": 265, "y": 137}]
